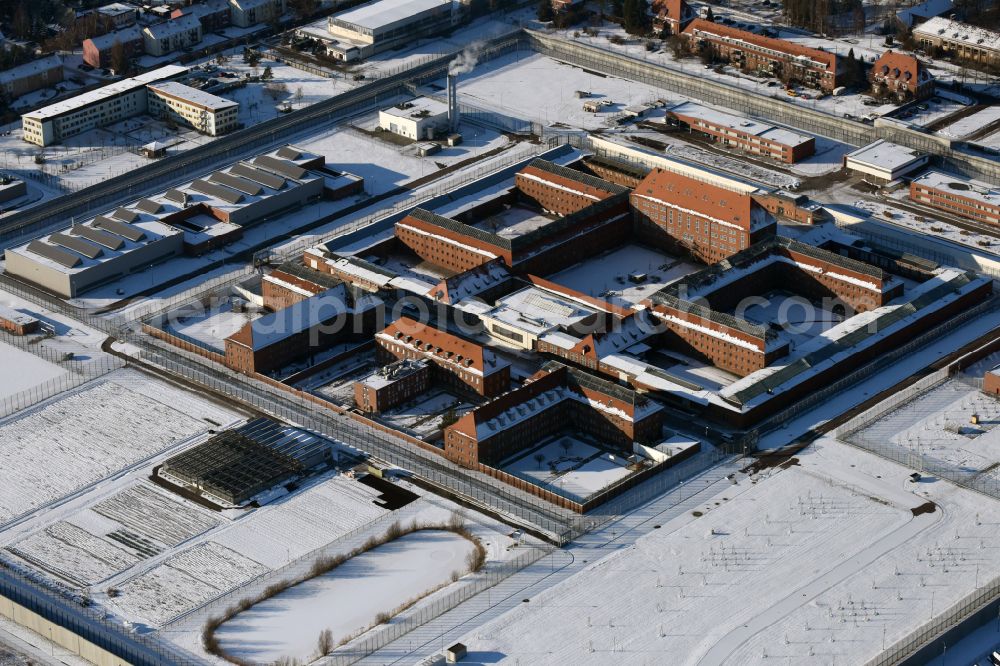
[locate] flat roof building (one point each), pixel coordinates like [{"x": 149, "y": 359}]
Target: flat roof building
[
  {"x": 207, "y": 113},
  {"x": 384, "y": 24},
  {"x": 420, "y": 118},
  {"x": 97, "y": 108},
  {"x": 751, "y": 136},
  {"x": 960, "y": 196},
  {"x": 968, "y": 42},
  {"x": 883, "y": 162},
  {"x": 120, "y": 14}
]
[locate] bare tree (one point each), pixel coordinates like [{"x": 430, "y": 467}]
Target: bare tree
[{"x": 324, "y": 645}]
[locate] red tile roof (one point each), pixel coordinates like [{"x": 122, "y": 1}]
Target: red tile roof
[
  {"x": 782, "y": 45},
  {"x": 698, "y": 196}
]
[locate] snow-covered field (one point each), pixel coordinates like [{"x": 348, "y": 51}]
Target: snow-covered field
[
  {"x": 818, "y": 561},
  {"x": 347, "y": 599},
  {"x": 569, "y": 466},
  {"x": 70, "y": 442},
  {"x": 940, "y": 425},
  {"x": 606, "y": 276},
  {"x": 23, "y": 370}
]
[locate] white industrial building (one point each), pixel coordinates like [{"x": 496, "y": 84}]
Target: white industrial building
[
  {"x": 97, "y": 108},
  {"x": 418, "y": 119},
  {"x": 193, "y": 218},
  {"x": 173, "y": 35},
  {"x": 385, "y": 24},
  {"x": 207, "y": 113},
  {"x": 883, "y": 162}
]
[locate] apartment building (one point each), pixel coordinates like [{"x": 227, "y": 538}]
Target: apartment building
[
  {"x": 189, "y": 106},
  {"x": 245, "y": 13},
  {"x": 31, "y": 76},
  {"x": 780, "y": 58},
  {"x": 97, "y": 50},
  {"x": 173, "y": 35},
  {"x": 901, "y": 75}
]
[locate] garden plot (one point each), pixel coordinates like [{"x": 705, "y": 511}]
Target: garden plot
[
  {"x": 569, "y": 466},
  {"x": 762, "y": 547},
  {"x": 146, "y": 510},
  {"x": 185, "y": 581},
  {"x": 939, "y": 425},
  {"x": 296, "y": 525},
  {"x": 346, "y": 600},
  {"x": 74, "y": 554},
  {"x": 93, "y": 433},
  {"x": 23, "y": 371},
  {"x": 607, "y": 275}
]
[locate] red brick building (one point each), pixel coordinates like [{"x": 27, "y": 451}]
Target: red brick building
[
  {"x": 991, "y": 381},
  {"x": 554, "y": 399},
  {"x": 460, "y": 363},
  {"x": 97, "y": 50},
  {"x": 304, "y": 328},
  {"x": 16, "y": 322},
  {"x": 706, "y": 221},
  {"x": 957, "y": 195},
  {"x": 586, "y": 215},
  {"x": 774, "y": 57},
  {"x": 901, "y": 75},
  {"x": 292, "y": 283},
  {"x": 391, "y": 385},
  {"x": 743, "y": 134}
]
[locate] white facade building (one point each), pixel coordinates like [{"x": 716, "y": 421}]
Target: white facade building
[
  {"x": 246, "y": 13},
  {"x": 207, "y": 113},
  {"x": 384, "y": 24},
  {"x": 172, "y": 35},
  {"x": 97, "y": 108},
  {"x": 417, "y": 119},
  {"x": 884, "y": 162}
]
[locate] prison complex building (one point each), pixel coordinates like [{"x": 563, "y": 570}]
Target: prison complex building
[
  {"x": 562, "y": 190},
  {"x": 753, "y": 137},
  {"x": 16, "y": 322},
  {"x": 556, "y": 398},
  {"x": 779, "y": 58},
  {"x": 457, "y": 362},
  {"x": 392, "y": 385},
  {"x": 960, "y": 196},
  {"x": 991, "y": 381},
  {"x": 901, "y": 75},
  {"x": 234, "y": 466},
  {"x": 740, "y": 346},
  {"x": 707, "y": 221},
  {"x": 307, "y": 327},
  {"x": 374, "y": 27},
  {"x": 964, "y": 41},
  {"x": 293, "y": 282},
  {"x": 35, "y": 75}
]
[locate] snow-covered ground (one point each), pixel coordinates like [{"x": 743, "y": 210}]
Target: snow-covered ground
[
  {"x": 990, "y": 140},
  {"x": 818, "y": 561},
  {"x": 70, "y": 442},
  {"x": 210, "y": 327},
  {"x": 347, "y": 599},
  {"x": 928, "y": 225},
  {"x": 606, "y": 275},
  {"x": 23, "y": 371},
  {"x": 954, "y": 423},
  {"x": 424, "y": 416},
  {"x": 569, "y": 466}
]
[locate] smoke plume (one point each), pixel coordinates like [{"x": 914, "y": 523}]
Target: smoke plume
[{"x": 465, "y": 61}]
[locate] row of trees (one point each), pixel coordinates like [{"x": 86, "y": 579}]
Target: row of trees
[
  {"x": 825, "y": 16},
  {"x": 632, "y": 14}
]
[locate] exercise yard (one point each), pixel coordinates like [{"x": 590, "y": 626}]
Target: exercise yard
[
  {"x": 23, "y": 371},
  {"x": 346, "y": 600},
  {"x": 569, "y": 467},
  {"x": 799, "y": 319}
]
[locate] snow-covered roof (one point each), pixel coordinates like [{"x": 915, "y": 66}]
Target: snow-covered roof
[
  {"x": 193, "y": 95},
  {"x": 296, "y": 318},
  {"x": 172, "y": 27},
  {"x": 105, "y": 92},
  {"x": 956, "y": 31},
  {"x": 538, "y": 311},
  {"x": 15, "y": 316},
  {"x": 116, "y": 9},
  {"x": 382, "y": 13},
  {"x": 32, "y": 68},
  {"x": 740, "y": 123},
  {"x": 421, "y": 107},
  {"x": 960, "y": 187},
  {"x": 125, "y": 35},
  {"x": 884, "y": 155},
  {"x": 924, "y": 10}
]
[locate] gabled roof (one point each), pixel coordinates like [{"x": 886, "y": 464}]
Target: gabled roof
[
  {"x": 782, "y": 45},
  {"x": 697, "y": 197},
  {"x": 442, "y": 345}
]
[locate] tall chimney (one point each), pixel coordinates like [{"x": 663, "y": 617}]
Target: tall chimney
[{"x": 453, "y": 103}]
